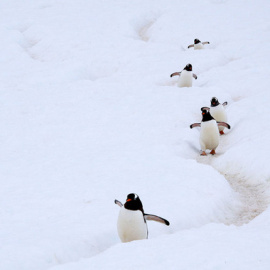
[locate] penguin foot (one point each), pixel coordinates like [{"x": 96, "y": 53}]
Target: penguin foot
[
  {"x": 213, "y": 152},
  {"x": 203, "y": 153},
  {"x": 221, "y": 132}
]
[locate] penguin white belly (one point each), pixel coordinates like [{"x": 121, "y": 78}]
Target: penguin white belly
[
  {"x": 131, "y": 225},
  {"x": 198, "y": 46},
  {"x": 185, "y": 79},
  {"x": 209, "y": 135},
  {"x": 219, "y": 114}
]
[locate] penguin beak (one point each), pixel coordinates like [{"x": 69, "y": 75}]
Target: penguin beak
[{"x": 128, "y": 200}]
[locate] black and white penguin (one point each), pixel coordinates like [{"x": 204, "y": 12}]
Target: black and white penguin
[
  {"x": 185, "y": 76},
  {"x": 198, "y": 44},
  {"x": 218, "y": 111},
  {"x": 131, "y": 224},
  {"x": 209, "y": 134}
]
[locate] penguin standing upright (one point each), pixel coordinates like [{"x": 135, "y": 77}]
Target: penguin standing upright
[
  {"x": 198, "y": 45},
  {"x": 209, "y": 134},
  {"x": 131, "y": 224},
  {"x": 185, "y": 76},
  {"x": 218, "y": 111}
]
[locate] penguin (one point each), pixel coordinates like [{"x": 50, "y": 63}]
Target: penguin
[
  {"x": 131, "y": 224},
  {"x": 217, "y": 110},
  {"x": 209, "y": 134},
  {"x": 198, "y": 44},
  {"x": 185, "y": 76}
]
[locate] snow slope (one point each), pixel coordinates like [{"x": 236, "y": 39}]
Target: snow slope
[{"x": 89, "y": 114}]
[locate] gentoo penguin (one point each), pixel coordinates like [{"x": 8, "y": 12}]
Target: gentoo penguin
[
  {"x": 209, "y": 135},
  {"x": 185, "y": 76},
  {"x": 217, "y": 110},
  {"x": 198, "y": 44},
  {"x": 131, "y": 224}
]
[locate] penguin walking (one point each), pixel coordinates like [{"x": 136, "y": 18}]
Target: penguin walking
[
  {"x": 198, "y": 45},
  {"x": 131, "y": 224},
  {"x": 185, "y": 76},
  {"x": 209, "y": 134},
  {"x": 218, "y": 111}
]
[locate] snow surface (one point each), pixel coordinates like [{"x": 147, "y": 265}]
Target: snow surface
[{"x": 89, "y": 113}]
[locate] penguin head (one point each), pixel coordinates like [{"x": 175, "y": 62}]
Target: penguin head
[
  {"x": 133, "y": 202},
  {"x": 196, "y": 41},
  {"x": 188, "y": 67},
  {"x": 206, "y": 116},
  {"x": 214, "y": 102}
]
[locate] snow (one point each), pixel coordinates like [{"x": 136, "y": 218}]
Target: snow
[{"x": 89, "y": 114}]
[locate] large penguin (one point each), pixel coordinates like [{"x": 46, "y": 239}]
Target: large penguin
[
  {"x": 218, "y": 111},
  {"x": 198, "y": 44},
  {"x": 185, "y": 76},
  {"x": 209, "y": 135},
  {"x": 131, "y": 224}
]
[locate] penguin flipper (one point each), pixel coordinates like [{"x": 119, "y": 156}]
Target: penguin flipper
[
  {"x": 190, "y": 46},
  {"x": 195, "y": 125},
  {"x": 205, "y": 42},
  {"x": 225, "y": 103},
  {"x": 223, "y": 124},
  {"x": 156, "y": 218},
  {"x": 205, "y": 108},
  {"x": 194, "y": 76},
  {"x": 118, "y": 203},
  {"x": 175, "y": 73}
]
